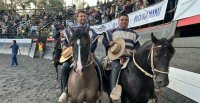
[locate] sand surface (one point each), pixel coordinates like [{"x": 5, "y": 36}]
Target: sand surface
[{"x": 33, "y": 81}]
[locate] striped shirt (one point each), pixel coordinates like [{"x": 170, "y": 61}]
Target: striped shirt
[{"x": 130, "y": 37}]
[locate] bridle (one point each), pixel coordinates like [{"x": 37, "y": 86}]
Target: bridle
[
  {"x": 91, "y": 62},
  {"x": 152, "y": 65},
  {"x": 87, "y": 65}
]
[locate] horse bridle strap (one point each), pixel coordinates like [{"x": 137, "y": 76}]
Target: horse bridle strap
[
  {"x": 91, "y": 62},
  {"x": 140, "y": 68},
  {"x": 152, "y": 65}
]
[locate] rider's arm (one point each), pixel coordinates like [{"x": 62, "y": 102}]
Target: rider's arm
[
  {"x": 107, "y": 38},
  {"x": 137, "y": 45},
  {"x": 105, "y": 42},
  {"x": 10, "y": 45},
  {"x": 94, "y": 41},
  {"x": 136, "y": 41}
]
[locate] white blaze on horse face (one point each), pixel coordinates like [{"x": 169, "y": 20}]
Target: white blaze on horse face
[{"x": 79, "y": 63}]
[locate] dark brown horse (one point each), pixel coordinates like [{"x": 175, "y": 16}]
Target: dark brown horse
[
  {"x": 150, "y": 63},
  {"x": 56, "y": 56},
  {"x": 83, "y": 84}
]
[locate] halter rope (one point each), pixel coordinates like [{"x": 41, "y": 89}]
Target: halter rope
[{"x": 152, "y": 65}]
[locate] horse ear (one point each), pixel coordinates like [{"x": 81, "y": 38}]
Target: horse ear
[
  {"x": 153, "y": 38},
  {"x": 171, "y": 39}
]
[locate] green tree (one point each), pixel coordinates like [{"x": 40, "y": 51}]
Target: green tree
[
  {"x": 55, "y": 3},
  {"x": 3, "y": 5}
]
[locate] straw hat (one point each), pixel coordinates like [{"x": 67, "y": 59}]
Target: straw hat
[
  {"x": 66, "y": 54},
  {"x": 115, "y": 51}
]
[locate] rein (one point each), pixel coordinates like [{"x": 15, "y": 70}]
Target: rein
[
  {"x": 91, "y": 62},
  {"x": 152, "y": 65}
]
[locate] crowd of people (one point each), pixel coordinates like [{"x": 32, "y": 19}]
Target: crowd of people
[
  {"x": 30, "y": 24},
  {"x": 8, "y": 20},
  {"x": 110, "y": 10},
  {"x": 13, "y": 23}
]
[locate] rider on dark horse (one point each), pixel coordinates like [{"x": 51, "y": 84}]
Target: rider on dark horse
[
  {"x": 81, "y": 23},
  {"x": 56, "y": 36},
  {"x": 131, "y": 40}
]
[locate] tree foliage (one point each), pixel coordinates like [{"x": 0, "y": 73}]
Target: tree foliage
[{"x": 24, "y": 4}]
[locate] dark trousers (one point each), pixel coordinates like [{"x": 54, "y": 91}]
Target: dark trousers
[
  {"x": 116, "y": 67},
  {"x": 14, "y": 59},
  {"x": 65, "y": 74}
]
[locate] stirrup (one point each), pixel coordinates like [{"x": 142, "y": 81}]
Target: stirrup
[
  {"x": 63, "y": 98},
  {"x": 116, "y": 93}
]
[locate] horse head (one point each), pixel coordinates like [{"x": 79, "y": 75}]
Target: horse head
[
  {"x": 80, "y": 42},
  {"x": 161, "y": 53}
]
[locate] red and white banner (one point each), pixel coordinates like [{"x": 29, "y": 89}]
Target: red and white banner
[{"x": 187, "y": 8}]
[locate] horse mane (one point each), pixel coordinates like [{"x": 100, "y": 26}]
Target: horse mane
[
  {"x": 146, "y": 46},
  {"x": 78, "y": 33},
  {"x": 163, "y": 41},
  {"x": 166, "y": 44}
]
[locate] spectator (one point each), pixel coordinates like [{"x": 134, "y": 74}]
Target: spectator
[
  {"x": 112, "y": 11},
  {"x": 128, "y": 7},
  {"x": 40, "y": 48},
  {"x": 98, "y": 17},
  {"x": 15, "y": 49}
]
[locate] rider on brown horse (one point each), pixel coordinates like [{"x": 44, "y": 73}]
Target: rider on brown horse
[
  {"x": 127, "y": 39},
  {"x": 81, "y": 23}
]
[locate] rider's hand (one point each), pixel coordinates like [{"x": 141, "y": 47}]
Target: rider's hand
[{"x": 111, "y": 43}]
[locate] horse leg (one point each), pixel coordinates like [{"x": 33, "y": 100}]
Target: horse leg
[
  {"x": 56, "y": 66},
  {"x": 61, "y": 86},
  {"x": 125, "y": 99}
]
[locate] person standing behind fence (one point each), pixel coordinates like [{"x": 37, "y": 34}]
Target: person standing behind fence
[
  {"x": 15, "y": 48},
  {"x": 40, "y": 48}
]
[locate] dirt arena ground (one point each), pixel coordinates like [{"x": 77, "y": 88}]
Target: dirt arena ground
[{"x": 33, "y": 81}]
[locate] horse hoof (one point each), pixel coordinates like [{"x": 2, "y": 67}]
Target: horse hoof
[{"x": 63, "y": 98}]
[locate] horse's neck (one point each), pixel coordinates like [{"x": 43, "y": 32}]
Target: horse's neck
[
  {"x": 89, "y": 58},
  {"x": 90, "y": 61},
  {"x": 90, "y": 68},
  {"x": 143, "y": 60}
]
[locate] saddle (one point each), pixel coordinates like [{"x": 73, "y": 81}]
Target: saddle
[{"x": 107, "y": 63}]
